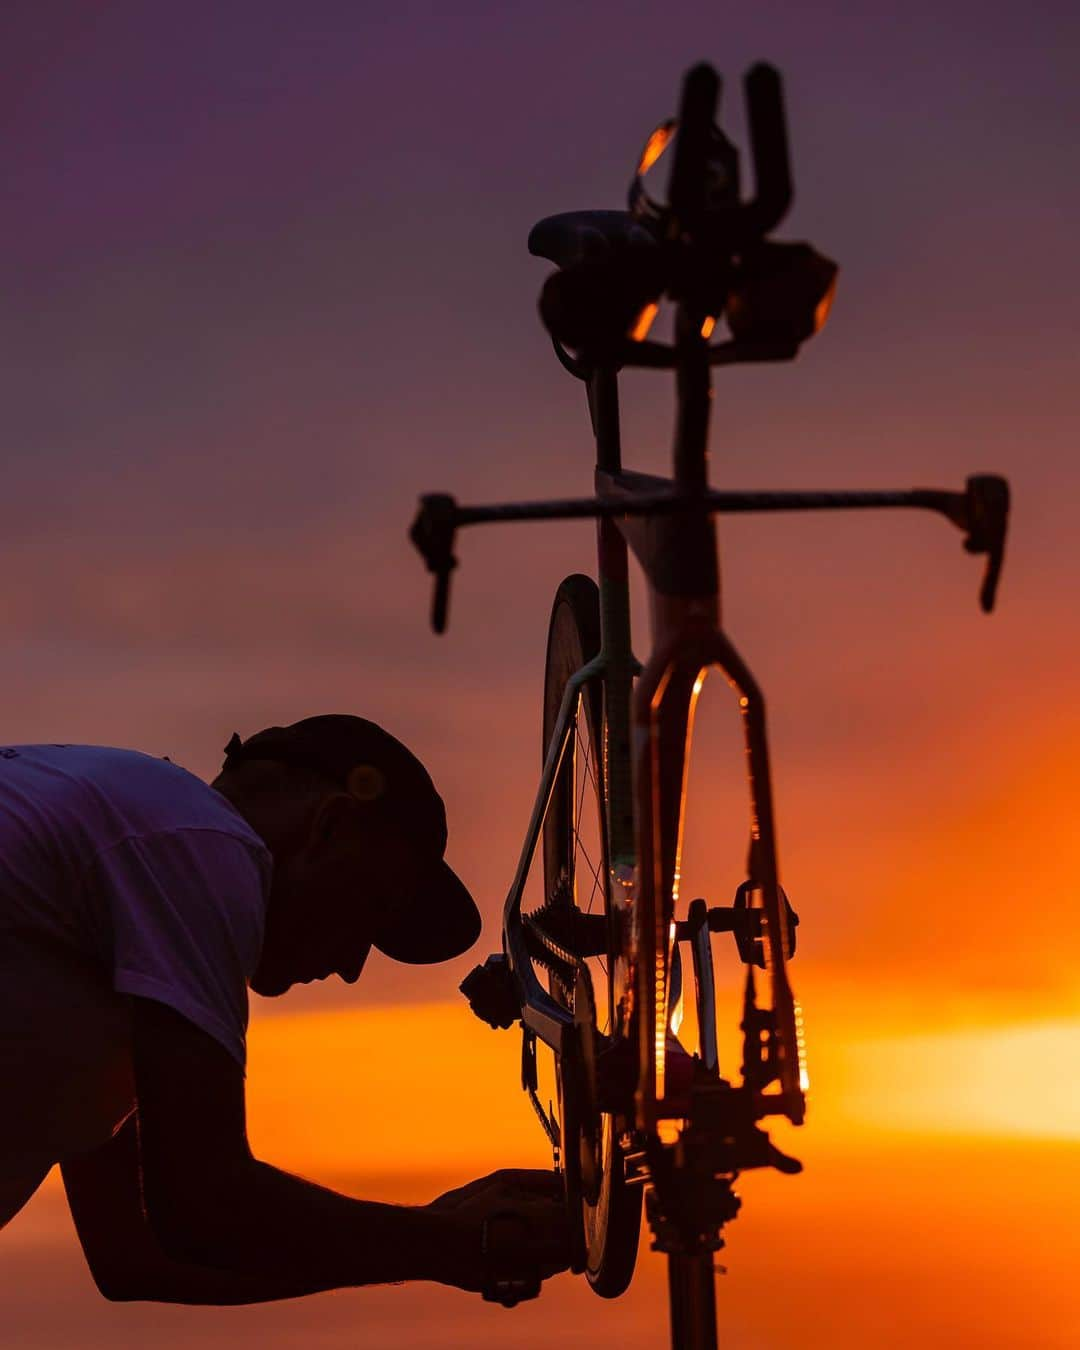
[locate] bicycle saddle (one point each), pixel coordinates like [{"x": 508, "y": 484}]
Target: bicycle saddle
[{"x": 575, "y": 237}]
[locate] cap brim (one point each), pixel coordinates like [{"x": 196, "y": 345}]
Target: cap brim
[{"x": 441, "y": 922}]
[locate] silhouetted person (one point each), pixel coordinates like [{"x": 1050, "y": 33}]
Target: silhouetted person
[{"x": 136, "y": 905}]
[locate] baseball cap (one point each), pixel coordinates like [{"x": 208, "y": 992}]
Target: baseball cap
[{"x": 440, "y": 920}]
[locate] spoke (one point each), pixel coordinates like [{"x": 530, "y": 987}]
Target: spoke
[
  {"x": 590, "y": 769},
  {"x": 596, "y": 885},
  {"x": 589, "y": 863},
  {"x": 584, "y": 781},
  {"x": 585, "y": 778},
  {"x": 584, "y": 756},
  {"x": 589, "y": 764}
]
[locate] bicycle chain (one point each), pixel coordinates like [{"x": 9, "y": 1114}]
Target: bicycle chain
[{"x": 557, "y": 960}]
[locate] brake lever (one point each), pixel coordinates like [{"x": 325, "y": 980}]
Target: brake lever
[
  {"x": 986, "y": 520},
  {"x": 433, "y": 533}
]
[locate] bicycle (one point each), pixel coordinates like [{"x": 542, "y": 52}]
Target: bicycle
[{"x": 638, "y": 1113}]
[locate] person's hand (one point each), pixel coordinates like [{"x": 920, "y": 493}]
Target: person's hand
[{"x": 534, "y": 1244}]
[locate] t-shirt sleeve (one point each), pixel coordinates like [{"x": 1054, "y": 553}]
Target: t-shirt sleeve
[{"x": 187, "y": 910}]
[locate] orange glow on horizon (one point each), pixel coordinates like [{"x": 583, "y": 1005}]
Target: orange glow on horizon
[
  {"x": 422, "y": 1087},
  {"x": 400, "y": 1103},
  {"x": 1011, "y": 1081},
  {"x": 429, "y": 1088}
]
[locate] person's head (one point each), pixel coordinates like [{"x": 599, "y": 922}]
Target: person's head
[{"x": 357, "y": 834}]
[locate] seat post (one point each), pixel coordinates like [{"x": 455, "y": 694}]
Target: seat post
[
  {"x": 693, "y": 389},
  {"x": 603, "y": 394}
]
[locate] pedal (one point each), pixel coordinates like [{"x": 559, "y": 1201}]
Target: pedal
[
  {"x": 509, "y": 1290},
  {"x": 744, "y": 922},
  {"x": 490, "y": 991}
]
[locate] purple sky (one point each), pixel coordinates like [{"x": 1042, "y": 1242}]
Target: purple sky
[{"x": 265, "y": 280}]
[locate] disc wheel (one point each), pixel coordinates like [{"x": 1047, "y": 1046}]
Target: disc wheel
[{"x": 575, "y": 871}]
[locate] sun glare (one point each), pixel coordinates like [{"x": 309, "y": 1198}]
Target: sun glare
[{"x": 1015, "y": 1080}]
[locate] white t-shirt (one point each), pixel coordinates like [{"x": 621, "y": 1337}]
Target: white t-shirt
[{"x": 120, "y": 873}]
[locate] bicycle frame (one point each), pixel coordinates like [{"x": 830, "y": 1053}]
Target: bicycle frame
[
  {"x": 632, "y": 510},
  {"x": 668, "y": 524},
  {"x": 647, "y": 752}
]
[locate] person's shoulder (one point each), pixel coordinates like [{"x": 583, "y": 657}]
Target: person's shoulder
[
  {"x": 136, "y": 793},
  {"x": 187, "y": 802}
]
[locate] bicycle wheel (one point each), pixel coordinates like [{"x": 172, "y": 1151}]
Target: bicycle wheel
[{"x": 575, "y": 867}]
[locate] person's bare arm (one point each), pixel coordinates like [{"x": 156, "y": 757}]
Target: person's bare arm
[
  {"x": 210, "y": 1203},
  {"x": 125, "y": 1258}
]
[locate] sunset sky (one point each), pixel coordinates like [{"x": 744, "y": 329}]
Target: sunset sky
[{"x": 265, "y": 281}]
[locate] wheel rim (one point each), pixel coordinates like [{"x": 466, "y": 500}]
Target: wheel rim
[{"x": 575, "y": 865}]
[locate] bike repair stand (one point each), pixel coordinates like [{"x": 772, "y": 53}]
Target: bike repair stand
[{"x": 690, "y": 1194}]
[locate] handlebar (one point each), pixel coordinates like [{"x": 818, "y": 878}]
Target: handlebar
[
  {"x": 688, "y": 184},
  {"x": 981, "y": 511},
  {"x": 986, "y": 522},
  {"x": 433, "y": 534},
  {"x": 769, "y": 144},
  {"x": 703, "y": 188}
]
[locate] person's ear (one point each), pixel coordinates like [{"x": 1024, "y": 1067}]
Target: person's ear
[
  {"x": 334, "y": 819},
  {"x": 366, "y": 783}
]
